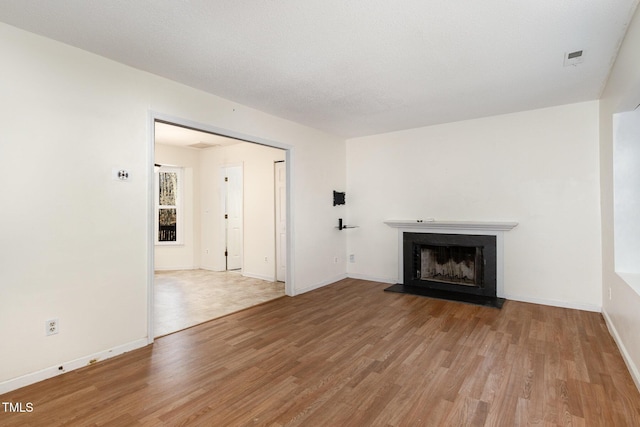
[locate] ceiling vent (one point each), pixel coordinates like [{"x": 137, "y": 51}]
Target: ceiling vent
[{"x": 573, "y": 58}]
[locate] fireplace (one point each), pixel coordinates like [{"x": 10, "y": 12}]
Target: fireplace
[
  {"x": 450, "y": 262},
  {"x": 454, "y": 260}
]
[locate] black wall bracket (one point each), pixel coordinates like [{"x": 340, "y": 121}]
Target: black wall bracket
[{"x": 342, "y": 226}]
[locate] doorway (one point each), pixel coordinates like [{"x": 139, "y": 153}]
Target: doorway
[{"x": 236, "y": 250}]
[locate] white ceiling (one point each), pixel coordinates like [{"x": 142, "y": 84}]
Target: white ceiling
[{"x": 357, "y": 67}]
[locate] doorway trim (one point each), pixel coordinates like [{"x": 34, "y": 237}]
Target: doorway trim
[
  {"x": 154, "y": 116},
  {"x": 280, "y": 274}
]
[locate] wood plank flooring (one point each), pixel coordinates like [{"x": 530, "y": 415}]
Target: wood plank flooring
[
  {"x": 185, "y": 298},
  {"x": 350, "y": 354}
]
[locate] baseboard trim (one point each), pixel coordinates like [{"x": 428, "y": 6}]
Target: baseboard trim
[
  {"x": 555, "y": 303},
  {"x": 43, "y": 374},
  {"x": 633, "y": 368},
  {"x": 176, "y": 268},
  {"x": 371, "y": 278},
  {"x": 258, "y": 276},
  {"x": 216, "y": 269},
  {"x": 320, "y": 285}
]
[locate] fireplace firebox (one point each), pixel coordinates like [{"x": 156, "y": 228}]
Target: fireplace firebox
[{"x": 459, "y": 263}]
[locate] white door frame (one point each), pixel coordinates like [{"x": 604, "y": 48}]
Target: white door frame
[
  {"x": 280, "y": 228},
  {"x": 154, "y": 116}
]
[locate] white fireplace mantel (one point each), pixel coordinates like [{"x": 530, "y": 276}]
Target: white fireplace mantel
[
  {"x": 456, "y": 227},
  {"x": 429, "y": 224}
]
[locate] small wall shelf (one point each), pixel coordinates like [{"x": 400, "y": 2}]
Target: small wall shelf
[{"x": 342, "y": 226}]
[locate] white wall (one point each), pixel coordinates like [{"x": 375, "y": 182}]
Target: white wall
[
  {"x": 74, "y": 240},
  {"x": 186, "y": 255},
  {"x": 621, "y": 297},
  {"x": 259, "y": 208},
  {"x": 539, "y": 168}
]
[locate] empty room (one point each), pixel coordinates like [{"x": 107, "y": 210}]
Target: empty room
[{"x": 457, "y": 234}]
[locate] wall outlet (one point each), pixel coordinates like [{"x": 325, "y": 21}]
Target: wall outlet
[
  {"x": 266, "y": 259},
  {"x": 51, "y": 327},
  {"x": 335, "y": 259},
  {"x": 609, "y": 293},
  {"x": 352, "y": 258}
]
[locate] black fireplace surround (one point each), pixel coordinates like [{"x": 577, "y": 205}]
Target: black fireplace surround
[{"x": 460, "y": 267}]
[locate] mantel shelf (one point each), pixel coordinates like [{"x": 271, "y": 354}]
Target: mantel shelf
[{"x": 451, "y": 225}]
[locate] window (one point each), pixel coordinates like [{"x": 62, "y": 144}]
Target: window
[
  {"x": 168, "y": 206},
  {"x": 626, "y": 190}
]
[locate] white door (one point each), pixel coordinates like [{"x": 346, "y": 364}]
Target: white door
[
  {"x": 233, "y": 215},
  {"x": 281, "y": 220}
]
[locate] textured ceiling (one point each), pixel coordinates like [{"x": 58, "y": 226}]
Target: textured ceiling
[{"x": 352, "y": 68}]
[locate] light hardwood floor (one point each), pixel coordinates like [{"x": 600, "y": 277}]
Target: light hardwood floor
[
  {"x": 350, "y": 354},
  {"x": 189, "y": 297}
]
